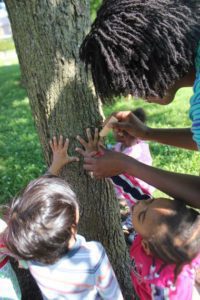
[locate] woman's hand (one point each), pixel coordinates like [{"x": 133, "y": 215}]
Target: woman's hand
[
  {"x": 128, "y": 122},
  {"x": 60, "y": 155},
  {"x": 109, "y": 164}
]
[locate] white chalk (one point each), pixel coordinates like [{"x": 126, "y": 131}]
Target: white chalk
[{"x": 106, "y": 128}]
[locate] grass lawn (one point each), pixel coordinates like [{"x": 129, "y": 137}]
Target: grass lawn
[
  {"x": 20, "y": 153},
  {"x": 7, "y": 44}
]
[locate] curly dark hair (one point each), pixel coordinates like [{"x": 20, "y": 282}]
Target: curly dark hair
[{"x": 141, "y": 47}]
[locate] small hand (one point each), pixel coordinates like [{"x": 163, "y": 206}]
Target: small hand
[
  {"x": 128, "y": 122},
  {"x": 92, "y": 146},
  {"x": 60, "y": 155}
]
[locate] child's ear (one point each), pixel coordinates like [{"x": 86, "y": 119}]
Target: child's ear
[
  {"x": 74, "y": 229},
  {"x": 145, "y": 246}
]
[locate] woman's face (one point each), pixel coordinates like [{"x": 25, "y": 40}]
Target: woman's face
[
  {"x": 168, "y": 98},
  {"x": 147, "y": 215},
  {"x": 186, "y": 81}
]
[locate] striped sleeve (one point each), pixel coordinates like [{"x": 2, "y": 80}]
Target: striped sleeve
[
  {"x": 130, "y": 188},
  {"x": 106, "y": 281}
]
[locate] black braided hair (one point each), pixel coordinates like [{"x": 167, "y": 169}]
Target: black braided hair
[{"x": 141, "y": 47}]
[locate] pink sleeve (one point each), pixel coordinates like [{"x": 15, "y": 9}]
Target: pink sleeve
[{"x": 164, "y": 288}]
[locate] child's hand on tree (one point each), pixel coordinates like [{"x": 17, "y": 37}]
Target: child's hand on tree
[
  {"x": 91, "y": 147},
  {"x": 60, "y": 155}
]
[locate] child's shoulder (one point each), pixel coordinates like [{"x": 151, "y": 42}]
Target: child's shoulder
[
  {"x": 91, "y": 246},
  {"x": 93, "y": 250}
]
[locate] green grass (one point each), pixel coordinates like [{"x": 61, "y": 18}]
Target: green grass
[
  {"x": 7, "y": 44},
  {"x": 20, "y": 152},
  {"x": 94, "y": 5}
]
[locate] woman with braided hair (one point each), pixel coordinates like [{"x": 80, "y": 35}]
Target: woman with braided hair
[{"x": 148, "y": 49}]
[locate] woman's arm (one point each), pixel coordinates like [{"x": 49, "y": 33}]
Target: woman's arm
[
  {"x": 180, "y": 186},
  {"x": 178, "y": 137}
]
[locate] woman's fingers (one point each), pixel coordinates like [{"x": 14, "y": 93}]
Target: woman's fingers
[
  {"x": 72, "y": 158},
  {"x": 89, "y": 135},
  {"x": 80, "y": 151},
  {"x": 96, "y": 135}
]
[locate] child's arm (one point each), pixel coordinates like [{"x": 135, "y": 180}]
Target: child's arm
[
  {"x": 180, "y": 186},
  {"x": 178, "y": 137},
  {"x": 60, "y": 155}
]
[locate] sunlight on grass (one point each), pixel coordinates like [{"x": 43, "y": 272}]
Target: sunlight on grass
[
  {"x": 94, "y": 5},
  {"x": 8, "y": 58},
  {"x": 21, "y": 158},
  {"x": 6, "y": 44}
]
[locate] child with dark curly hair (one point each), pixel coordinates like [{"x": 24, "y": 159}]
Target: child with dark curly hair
[{"x": 148, "y": 49}]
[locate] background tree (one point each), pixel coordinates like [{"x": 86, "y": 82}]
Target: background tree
[{"x": 47, "y": 35}]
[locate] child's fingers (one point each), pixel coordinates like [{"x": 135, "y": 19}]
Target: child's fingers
[
  {"x": 89, "y": 135},
  {"x": 82, "y": 141},
  {"x": 101, "y": 146},
  {"x": 80, "y": 151},
  {"x": 66, "y": 145},
  {"x": 54, "y": 142},
  {"x": 60, "y": 141},
  {"x": 73, "y": 158},
  {"x": 51, "y": 145},
  {"x": 96, "y": 135}
]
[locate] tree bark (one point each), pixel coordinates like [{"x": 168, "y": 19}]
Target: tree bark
[{"x": 47, "y": 35}]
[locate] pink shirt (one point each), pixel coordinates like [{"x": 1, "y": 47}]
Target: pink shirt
[
  {"x": 141, "y": 152},
  {"x": 151, "y": 281}
]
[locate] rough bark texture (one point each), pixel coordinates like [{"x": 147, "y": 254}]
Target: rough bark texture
[{"x": 47, "y": 35}]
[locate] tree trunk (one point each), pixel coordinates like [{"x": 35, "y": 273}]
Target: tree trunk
[{"x": 47, "y": 35}]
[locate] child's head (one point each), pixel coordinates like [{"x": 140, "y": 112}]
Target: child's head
[
  {"x": 42, "y": 220},
  {"x": 125, "y": 138},
  {"x": 170, "y": 230},
  {"x": 142, "y": 48}
]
